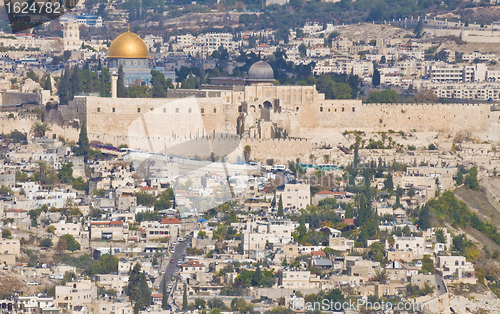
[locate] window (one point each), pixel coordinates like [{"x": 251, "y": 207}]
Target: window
[
  {"x": 176, "y": 110},
  {"x": 353, "y": 109},
  {"x": 215, "y": 110},
  {"x": 189, "y": 110},
  {"x": 164, "y": 110},
  {"x": 343, "y": 109},
  {"x": 202, "y": 110},
  {"x": 98, "y": 109},
  {"x": 321, "y": 109},
  {"x": 151, "y": 109},
  {"x": 138, "y": 109},
  {"x": 113, "y": 110}
]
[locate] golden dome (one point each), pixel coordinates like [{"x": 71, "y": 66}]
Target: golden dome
[{"x": 128, "y": 46}]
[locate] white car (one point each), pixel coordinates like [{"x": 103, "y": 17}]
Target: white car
[
  {"x": 175, "y": 243},
  {"x": 33, "y": 283},
  {"x": 181, "y": 239}
]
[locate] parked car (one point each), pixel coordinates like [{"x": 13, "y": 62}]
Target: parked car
[{"x": 33, "y": 283}]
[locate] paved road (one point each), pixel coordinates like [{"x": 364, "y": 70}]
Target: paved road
[
  {"x": 172, "y": 267},
  {"x": 440, "y": 283}
]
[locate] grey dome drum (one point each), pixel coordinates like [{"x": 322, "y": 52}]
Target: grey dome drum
[{"x": 261, "y": 71}]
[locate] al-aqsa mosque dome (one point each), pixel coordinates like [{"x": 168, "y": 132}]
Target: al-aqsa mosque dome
[
  {"x": 128, "y": 46},
  {"x": 261, "y": 71},
  {"x": 131, "y": 52}
]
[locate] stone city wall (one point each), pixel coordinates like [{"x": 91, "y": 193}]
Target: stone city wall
[{"x": 449, "y": 119}]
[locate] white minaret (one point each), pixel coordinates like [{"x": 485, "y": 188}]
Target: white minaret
[{"x": 114, "y": 85}]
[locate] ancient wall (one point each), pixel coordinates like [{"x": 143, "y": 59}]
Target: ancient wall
[
  {"x": 14, "y": 98},
  {"x": 448, "y": 119},
  {"x": 280, "y": 150}
]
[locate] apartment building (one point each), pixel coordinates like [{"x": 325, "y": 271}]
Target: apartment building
[
  {"x": 62, "y": 228},
  {"x": 166, "y": 228},
  {"x": 108, "y": 230},
  {"x": 76, "y": 293},
  {"x": 413, "y": 244},
  {"x": 110, "y": 281},
  {"x": 10, "y": 246},
  {"x": 455, "y": 267},
  {"x": 259, "y": 233},
  {"x": 34, "y": 304},
  {"x": 449, "y": 73},
  {"x": 298, "y": 279},
  {"x": 295, "y": 196}
]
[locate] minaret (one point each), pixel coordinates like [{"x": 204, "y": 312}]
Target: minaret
[{"x": 114, "y": 85}]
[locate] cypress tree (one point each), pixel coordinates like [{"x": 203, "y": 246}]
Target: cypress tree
[
  {"x": 76, "y": 82},
  {"x": 89, "y": 87},
  {"x": 280, "y": 207},
  {"x": 143, "y": 298},
  {"x": 424, "y": 219},
  {"x": 120, "y": 83},
  {"x": 376, "y": 78},
  {"x": 64, "y": 88},
  {"x": 164, "y": 301},
  {"x": 184, "y": 299},
  {"x": 257, "y": 277},
  {"x": 302, "y": 229},
  {"x": 48, "y": 83},
  {"x": 83, "y": 144}
]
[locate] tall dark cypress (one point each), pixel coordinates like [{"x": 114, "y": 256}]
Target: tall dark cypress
[
  {"x": 48, "y": 83},
  {"x": 120, "y": 83},
  {"x": 89, "y": 87},
  {"x": 76, "y": 82},
  {"x": 64, "y": 88}
]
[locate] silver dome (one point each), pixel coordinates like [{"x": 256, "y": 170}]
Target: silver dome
[{"x": 261, "y": 71}]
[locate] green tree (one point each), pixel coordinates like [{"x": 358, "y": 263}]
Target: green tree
[
  {"x": 133, "y": 282},
  {"x": 424, "y": 219},
  {"x": 302, "y": 229},
  {"x": 302, "y": 50},
  {"x": 376, "y": 78},
  {"x": 460, "y": 178},
  {"x": 32, "y": 75},
  {"x": 69, "y": 243},
  {"x": 349, "y": 211},
  {"x": 105, "y": 82},
  {"x": 107, "y": 264},
  {"x": 48, "y": 83},
  {"x": 64, "y": 90},
  {"x": 66, "y": 172},
  {"x": 388, "y": 183},
  {"x": 471, "y": 179},
  {"x": 280, "y": 207},
  {"x": 6, "y": 234},
  {"x": 386, "y": 96},
  {"x": 164, "y": 301},
  {"x": 120, "y": 88},
  {"x": 38, "y": 129},
  {"x": 46, "y": 242},
  {"x": 440, "y": 238},
  {"x": 184, "y": 299},
  {"x": 159, "y": 83},
  {"x": 89, "y": 82},
  {"x": 257, "y": 277},
  {"x": 143, "y": 298},
  {"x": 76, "y": 82},
  {"x": 419, "y": 28},
  {"x": 83, "y": 144}
]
